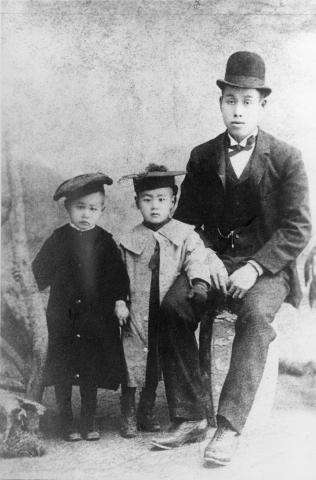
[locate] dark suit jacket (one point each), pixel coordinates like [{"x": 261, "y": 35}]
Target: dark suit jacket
[{"x": 278, "y": 177}]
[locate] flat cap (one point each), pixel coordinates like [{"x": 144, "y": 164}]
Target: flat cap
[{"x": 82, "y": 184}]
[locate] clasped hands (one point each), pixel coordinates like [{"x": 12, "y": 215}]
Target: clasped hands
[{"x": 237, "y": 284}]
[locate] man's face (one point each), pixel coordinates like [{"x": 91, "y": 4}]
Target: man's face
[
  {"x": 241, "y": 110},
  {"x": 85, "y": 211},
  {"x": 155, "y": 205}
]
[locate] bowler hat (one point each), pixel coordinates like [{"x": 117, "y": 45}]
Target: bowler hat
[
  {"x": 82, "y": 185},
  {"x": 245, "y": 70}
]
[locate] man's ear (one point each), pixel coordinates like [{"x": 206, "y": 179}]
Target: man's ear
[
  {"x": 263, "y": 102},
  {"x": 220, "y": 101},
  {"x": 137, "y": 202}
]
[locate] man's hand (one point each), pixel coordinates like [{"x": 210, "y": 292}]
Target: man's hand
[
  {"x": 242, "y": 280},
  {"x": 121, "y": 311},
  {"x": 218, "y": 272}
]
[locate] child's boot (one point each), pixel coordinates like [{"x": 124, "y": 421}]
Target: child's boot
[
  {"x": 63, "y": 399},
  {"x": 88, "y": 392},
  {"x": 146, "y": 420},
  {"x": 129, "y": 425},
  {"x": 89, "y": 429}
]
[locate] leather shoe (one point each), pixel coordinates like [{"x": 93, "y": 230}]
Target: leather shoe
[
  {"x": 92, "y": 436},
  {"x": 185, "y": 432},
  {"x": 71, "y": 436},
  {"x": 221, "y": 448}
]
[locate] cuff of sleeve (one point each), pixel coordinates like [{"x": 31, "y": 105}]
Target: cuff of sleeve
[
  {"x": 256, "y": 266},
  {"x": 199, "y": 281}
]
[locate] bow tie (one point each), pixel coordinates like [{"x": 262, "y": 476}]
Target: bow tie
[{"x": 234, "y": 149}]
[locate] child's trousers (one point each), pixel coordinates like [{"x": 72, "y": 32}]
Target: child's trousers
[{"x": 88, "y": 393}]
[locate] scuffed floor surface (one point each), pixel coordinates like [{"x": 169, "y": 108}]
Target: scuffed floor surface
[{"x": 285, "y": 448}]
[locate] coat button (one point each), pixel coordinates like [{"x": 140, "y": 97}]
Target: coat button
[
  {"x": 78, "y": 301},
  {"x": 78, "y": 335},
  {"x": 77, "y": 376},
  {"x": 145, "y": 349}
]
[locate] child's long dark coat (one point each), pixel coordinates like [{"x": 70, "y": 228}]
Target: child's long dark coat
[{"x": 86, "y": 276}]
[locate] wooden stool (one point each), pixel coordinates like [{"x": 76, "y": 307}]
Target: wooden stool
[{"x": 215, "y": 353}]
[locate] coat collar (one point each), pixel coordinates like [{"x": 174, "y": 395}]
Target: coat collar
[
  {"x": 136, "y": 240},
  {"x": 259, "y": 157},
  {"x": 175, "y": 231}
]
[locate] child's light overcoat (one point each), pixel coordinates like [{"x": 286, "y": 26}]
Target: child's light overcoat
[{"x": 181, "y": 250}]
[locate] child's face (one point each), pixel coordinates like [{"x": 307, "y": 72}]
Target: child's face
[
  {"x": 241, "y": 110},
  {"x": 85, "y": 211},
  {"x": 156, "y": 205}
]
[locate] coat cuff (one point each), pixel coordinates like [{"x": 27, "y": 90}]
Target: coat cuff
[{"x": 256, "y": 266}]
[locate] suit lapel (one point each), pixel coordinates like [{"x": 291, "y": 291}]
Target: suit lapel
[
  {"x": 220, "y": 163},
  {"x": 259, "y": 158}
]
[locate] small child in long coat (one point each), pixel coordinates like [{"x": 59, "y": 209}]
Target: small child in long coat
[
  {"x": 155, "y": 252},
  {"x": 88, "y": 283}
]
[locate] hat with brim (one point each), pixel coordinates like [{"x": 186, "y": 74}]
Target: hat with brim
[
  {"x": 82, "y": 185},
  {"x": 245, "y": 70},
  {"x": 152, "y": 180}
]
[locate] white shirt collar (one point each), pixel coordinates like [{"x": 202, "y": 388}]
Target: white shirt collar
[
  {"x": 243, "y": 143},
  {"x": 79, "y": 229}
]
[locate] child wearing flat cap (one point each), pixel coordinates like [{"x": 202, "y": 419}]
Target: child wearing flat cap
[
  {"x": 88, "y": 283},
  {"x": 156, "y": 251}
]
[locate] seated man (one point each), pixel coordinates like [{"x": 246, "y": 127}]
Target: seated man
[{"x": 246, "y": 193}]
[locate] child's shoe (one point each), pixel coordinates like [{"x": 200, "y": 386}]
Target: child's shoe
[
  {"x": 70, "y": 433},
  {"x": 89, "y": 430}
]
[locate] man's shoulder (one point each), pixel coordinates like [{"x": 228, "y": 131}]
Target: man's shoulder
[
  {"x": 279, "y": 148},
  {"x": 208, "y": 147},
  {"x": 203, "y": 155}
]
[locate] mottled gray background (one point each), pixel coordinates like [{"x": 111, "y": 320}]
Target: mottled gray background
[{"x": 113, "y": 85}]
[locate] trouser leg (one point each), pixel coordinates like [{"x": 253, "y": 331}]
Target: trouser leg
[
  {"x": 88, "y": 393},
  {"x": 179, "y": 354},
  {"x": 63, "y": 401},
  {"x": 253, "y": 335},
  {"x": 128, "y": 413}
]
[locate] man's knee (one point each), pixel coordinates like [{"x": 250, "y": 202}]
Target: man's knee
[{"x": 255, "y": 317}]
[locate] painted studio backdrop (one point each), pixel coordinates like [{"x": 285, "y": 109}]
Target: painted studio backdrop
[{"x": 113, "y": 85}]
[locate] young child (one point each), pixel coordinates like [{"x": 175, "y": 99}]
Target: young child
[
  {"x": 156, "y": 251},
  {"x": 88, "y": 285}
]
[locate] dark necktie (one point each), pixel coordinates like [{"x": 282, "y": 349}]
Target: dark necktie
[{"x": 234, "y": 149}]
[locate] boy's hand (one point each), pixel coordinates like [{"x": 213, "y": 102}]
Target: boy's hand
[
  {"x": 242, "y": 280},
  {"x": 198, "y": 293},
  {"x": 218, "y": 272},
  {"x": 121, "y": 311}
]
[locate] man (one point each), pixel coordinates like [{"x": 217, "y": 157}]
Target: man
[{"x": 246, "y": 193}]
